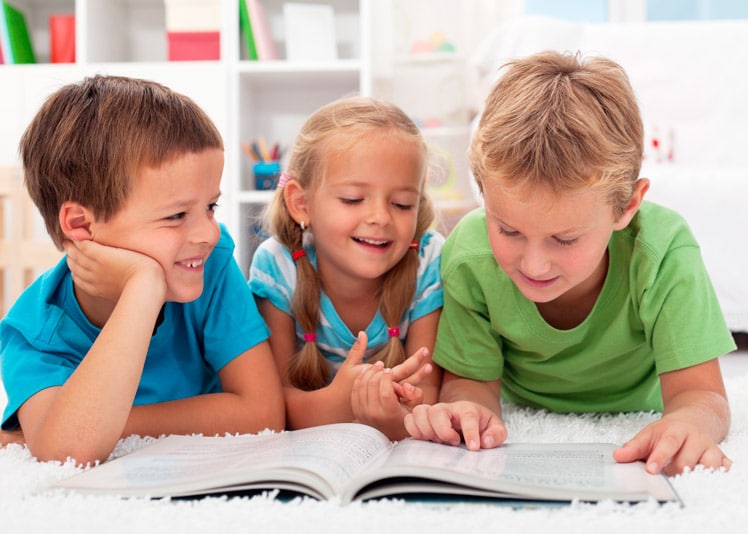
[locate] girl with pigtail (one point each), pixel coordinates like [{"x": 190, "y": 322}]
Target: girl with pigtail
[{"x": 349, "y": 280}]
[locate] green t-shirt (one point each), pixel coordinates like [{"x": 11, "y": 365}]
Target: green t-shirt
[{"x": 657, "y": 312}]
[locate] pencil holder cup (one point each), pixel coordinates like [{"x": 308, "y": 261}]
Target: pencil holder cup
[{"x": 266, "y": 174}]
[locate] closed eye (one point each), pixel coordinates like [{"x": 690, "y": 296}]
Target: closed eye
[
  {"x": 213, "y": 206},
  {"x": 350, "y": 200},
  {"x": 404, "y": 207},
  {"x": 508, "y": 233},
  {"x": 566, "y": 242},
  {"x": 176, "y": 216}
]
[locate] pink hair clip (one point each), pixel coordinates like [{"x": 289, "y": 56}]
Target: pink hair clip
[
  {"x": 284, "y": 179},
  {"x": 394, "y": 331},
  {"x": 310, "y": 337}
]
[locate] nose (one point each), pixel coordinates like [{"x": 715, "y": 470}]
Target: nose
[
  {"x": 378, "y": 212},
  {"x": 206, "y": 230},
  {"x": 535, "y": 261}
]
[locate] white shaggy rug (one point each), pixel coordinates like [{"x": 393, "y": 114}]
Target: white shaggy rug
[{"x": 714, "y": 501}]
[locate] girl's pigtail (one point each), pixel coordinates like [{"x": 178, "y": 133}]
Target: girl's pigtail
[{"x": 308, "y": 369}]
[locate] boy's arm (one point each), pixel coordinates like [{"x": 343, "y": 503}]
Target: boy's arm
[
  {"x": 468, "y": 410},
  {"x": 251, "y": 400},
  {"x": 695, "y": 420},
  {"x": 84, "y": 418}
]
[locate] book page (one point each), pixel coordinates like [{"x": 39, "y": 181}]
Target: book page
[
  {"x": 320, "y": 460},
  {"x": 562, "y": 471}
]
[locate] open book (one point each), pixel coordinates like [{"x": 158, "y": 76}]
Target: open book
[{"x": 350, "y": 461}]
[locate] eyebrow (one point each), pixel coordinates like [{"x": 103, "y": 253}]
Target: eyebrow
[{"x": 573, "y": 230}]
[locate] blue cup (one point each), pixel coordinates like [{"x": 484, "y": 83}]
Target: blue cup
[{"x": 266, "y": 174}]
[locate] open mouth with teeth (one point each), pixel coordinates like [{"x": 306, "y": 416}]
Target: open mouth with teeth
[
  {"x": 194, "y": 263},
  {"x": 377, "y": 243}
]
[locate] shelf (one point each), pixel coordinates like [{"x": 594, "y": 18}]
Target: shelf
[{"x": 245, "y": 99}]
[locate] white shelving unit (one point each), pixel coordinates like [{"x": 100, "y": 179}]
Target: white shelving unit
[{"x": 246, "y": 99}]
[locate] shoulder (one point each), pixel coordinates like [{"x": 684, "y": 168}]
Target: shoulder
[
  {"x": 38, "y": 304},
  {"x": 430, "y": 246},
  {"x": 468, "y": 243},
  {"x": 271, "y": 256},
  {"x": 658, "y": 227},
  {"x": 654, "y": 235},
  {"x": 225, "y": 246}
]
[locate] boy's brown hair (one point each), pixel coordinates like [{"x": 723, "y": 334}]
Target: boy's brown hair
[
  {"x": 560, "y": 121},
  {"x": 332, "y": 130},
  {"x": 90, "y": 138}
]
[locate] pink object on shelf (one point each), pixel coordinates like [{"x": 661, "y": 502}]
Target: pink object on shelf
[
  {"x": 190, "y": 46},
  {"x": 62, "y": 38}
]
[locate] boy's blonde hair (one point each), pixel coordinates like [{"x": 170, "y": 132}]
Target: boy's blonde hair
[
  {"x": 89, "y": 139},
  {"x": 562, "y": 122},
  {"x": 330, "y": 131}
]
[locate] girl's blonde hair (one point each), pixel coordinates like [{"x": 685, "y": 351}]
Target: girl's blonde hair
[
  {"x": 556, "y": 120},
  {"x": 334, "y": 129}
]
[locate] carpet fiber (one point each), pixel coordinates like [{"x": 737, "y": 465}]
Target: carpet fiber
[{"x": 714, "y": 501}]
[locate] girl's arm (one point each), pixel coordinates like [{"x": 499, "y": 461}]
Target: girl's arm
[
  {"x": 696, "y": 418},
  {"x": 330, "y": 404},
  {"x": 422, "y": 334}
]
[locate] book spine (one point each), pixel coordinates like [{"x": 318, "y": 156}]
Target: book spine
[
  {"x": 261, "y": 30},
  {"x": 15, "y": 36},
  {"x": 5, "y": 35},
  {"x": 246, "y": 29}
]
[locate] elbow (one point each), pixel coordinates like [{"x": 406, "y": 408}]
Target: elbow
[{"x": 83, "y": 455}]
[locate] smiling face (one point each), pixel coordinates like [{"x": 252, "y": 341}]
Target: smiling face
[
  {"x": 169, "y": 216},
  {"x": 551, "y": 246},
  {"x": 363, "y": 213}
]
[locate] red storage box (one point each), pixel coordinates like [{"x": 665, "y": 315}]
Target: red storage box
[{"x": 189, "y": 46}]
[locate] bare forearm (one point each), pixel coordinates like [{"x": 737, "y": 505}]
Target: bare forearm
[
  {"x": 84, "y": 418},
  {"x": 486, "y": 394},
  {"x": 318, "y": 407},
  {"x": 704, "y": 409},
  {"x": 210, "y": 414}
]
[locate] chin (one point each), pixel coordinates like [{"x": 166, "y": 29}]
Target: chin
[{"x": 185, "y": 296}]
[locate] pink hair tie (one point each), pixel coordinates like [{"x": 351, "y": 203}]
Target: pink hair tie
[
  {"x": 298, "y": 254},
  {"x": 394, "y": 331},
  {"x": 284, "y": 179},
  {"x": 310, "y": 337},
  {"x": 414, "y": 245}
]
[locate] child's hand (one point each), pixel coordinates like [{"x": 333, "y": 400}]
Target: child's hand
[
  {"x": 11, "y": 436},
  {"x": 104, "y": 271},
  {"x": 414, "y": 369},
  {"x": 376, "y": 400},
  {"x": 351, "y": 368},
  {"x": 671, "y": 446},
  {"x": 452, "y": 422}
]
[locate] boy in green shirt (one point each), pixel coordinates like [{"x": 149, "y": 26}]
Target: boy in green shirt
[{"x": 567, "y": 291}]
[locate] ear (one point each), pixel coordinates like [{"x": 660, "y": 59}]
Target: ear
[
  {"x": 637, "y": 197},
  {"x": 296, "y": 202},
  {"x": 75, "y": 221}
]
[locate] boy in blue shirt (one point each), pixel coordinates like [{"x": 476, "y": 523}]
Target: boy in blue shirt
[
  {"x": 569, "y": 292},
  {"x": 147, "y": 325}
]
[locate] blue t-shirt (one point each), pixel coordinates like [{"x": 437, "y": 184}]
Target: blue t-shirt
[
  {"x": 45, "y": 335},
  {"x": 273, "y": 277}
]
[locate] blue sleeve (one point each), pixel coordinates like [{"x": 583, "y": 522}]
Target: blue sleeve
[
  {"x": 272, "y": 275},
  {"x": 429, "y": 292},
  {"x": 233, "y": 323}
]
